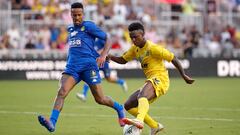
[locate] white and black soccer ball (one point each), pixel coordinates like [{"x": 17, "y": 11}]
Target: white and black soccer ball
[{"x": 131, "y": 130}]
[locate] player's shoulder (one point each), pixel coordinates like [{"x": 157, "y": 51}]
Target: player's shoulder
[
  {"x": 88, "y": 23},
  {"x": 133, "y": 47},
  {"x": 70, "y": 28},
  {"x": 154, "y": 45}
]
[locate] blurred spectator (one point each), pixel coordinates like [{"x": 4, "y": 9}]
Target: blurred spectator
[
  {"x": 107, "y": 10},
  {"x": 227, "y": 48},
  {"x": 120, "y": 12},
  {"x": 188, "y": 7},
  {"x": 62, "y": 38},
  {"x": 54, "y": 36},
  {"x": 225, "y": 35},
  {"x": 52, "y": 7},
  {"x": 181, "y": 37},
  {"x": 40, "y": 44},
  {"x": 236, "y": 6},
  {"x": 5, "y": 43},
  {"x": 231, "y": 30},
  {"x": 37, "y": 6},
  {"x": 29, "y": 45},
  {"x": 151, "y": 34},
  {"x": 16, "y": 4},
  {"x": 30, "y": 37},
  {"x": 188, "y": 47},
  {"x": 214, "y": 47},
  {"x": 44, "y": 37},
  {"x": 25, "y": 5},
  {"x": 195, "y": 36},
  {"x": 207, "y": 36},
  {"x": 64, "y": 5},
  {"x": 66, "y": 16},
  {"x": 14, "y": 37},
  {"x": 211, "y": 6},
  {"x": 172, "y": 34}
]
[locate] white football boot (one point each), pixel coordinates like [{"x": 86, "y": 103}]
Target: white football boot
[
  {"x": 81, "y": 97},
  {"x": 154, "y": 131}
]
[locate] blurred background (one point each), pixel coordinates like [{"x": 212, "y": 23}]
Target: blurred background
[
  {"x": 204, "y": 34},
  {"x": 189, "y": 28},
  {"x": 200, "y": 31}
]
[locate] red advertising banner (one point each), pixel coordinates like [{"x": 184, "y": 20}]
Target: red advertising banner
[{"x": 171, "y": 1}]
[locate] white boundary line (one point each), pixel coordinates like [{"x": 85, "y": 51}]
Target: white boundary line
[
  {"x": 113, "y": 116},
  {"x": 151, "y": 107}
]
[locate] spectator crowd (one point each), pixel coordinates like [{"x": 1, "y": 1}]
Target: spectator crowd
[{"x": 216, "y": 39}]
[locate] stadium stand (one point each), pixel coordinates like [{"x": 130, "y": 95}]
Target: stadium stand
[{"x": 189, "y": 29}]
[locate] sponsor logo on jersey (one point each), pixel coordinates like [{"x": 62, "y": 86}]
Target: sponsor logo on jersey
[
  {"x": 156, "y": 81},
  {"x": 74, "y": 33},
  {"x": 75, "y": 43},
  {"x": 83, "y": 28},
  {"x": 94, "y": 80}
]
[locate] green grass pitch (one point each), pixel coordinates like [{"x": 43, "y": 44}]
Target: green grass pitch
[{"x": 211, "y": 106}]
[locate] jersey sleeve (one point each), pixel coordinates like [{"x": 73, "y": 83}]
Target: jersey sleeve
[
  {"x": 162, "y": 53},
  {"x": 129, "y": 55},
  {"x": 95, "y": 31},
  {"x": 99, "y": 44}
]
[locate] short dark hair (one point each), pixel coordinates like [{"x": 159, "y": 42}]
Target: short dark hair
[
  {"x": 135, "y": 26},
  {"x": 77, "y": 5}
]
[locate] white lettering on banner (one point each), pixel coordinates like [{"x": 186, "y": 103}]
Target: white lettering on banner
[
  {"x": 137, "y": 65},
  {"x": 55, "y": 75},
  {"x": 31, "y": 65},
  {"x": 43, "y": 75},
  {"x": 48, "y": 65},
  {"x": 228, "y": 68},
  {"x": 60, "y": 65},
  {"x": 235, "y": 68},
  {"x": 37, "y": 75}
]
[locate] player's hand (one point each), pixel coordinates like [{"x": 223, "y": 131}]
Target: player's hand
[
  {"x": 108, "y": 58},
  {"x": 100, "y": 60},
  {"x": 188, "y": 79}
]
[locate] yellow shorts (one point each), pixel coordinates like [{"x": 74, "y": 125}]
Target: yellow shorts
[{"x": 159, "y": 87}]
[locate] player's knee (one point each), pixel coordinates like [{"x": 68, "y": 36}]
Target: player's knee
[
  {"x": 127, "y": 106},
  {"x": 62, "y": 92},
  {"x": 100, "y": 101}
]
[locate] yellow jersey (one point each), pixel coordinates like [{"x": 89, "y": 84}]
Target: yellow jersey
[{"x": 151, "y": 57}]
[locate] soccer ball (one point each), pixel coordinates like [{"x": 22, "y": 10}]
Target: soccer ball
[{"x": 131, "y": 130}]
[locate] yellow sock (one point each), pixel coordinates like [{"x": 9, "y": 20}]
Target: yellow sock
[
  {"x": 148, "y": 119},
  {"x": 143, "y": 107}
]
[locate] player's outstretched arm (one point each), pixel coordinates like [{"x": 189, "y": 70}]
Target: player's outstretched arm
[
  {"x": 178, "y": 65},
  {"x": 119, "y": 60},
  {"x": 104, "y": 52}
]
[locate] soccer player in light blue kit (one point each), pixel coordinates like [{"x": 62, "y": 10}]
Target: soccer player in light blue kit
[
  {"x": 98, "y": 46},
  {"x": 82, "y": 64}
]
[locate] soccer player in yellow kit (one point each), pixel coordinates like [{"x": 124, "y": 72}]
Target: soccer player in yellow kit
[{"x": 151, "y": 56}]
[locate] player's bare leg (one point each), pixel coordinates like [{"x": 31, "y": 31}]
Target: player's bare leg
[
  {"x": 67, "y": 82},
  {"x": 131, "y": 105},
  {"x": 101, "y": 99}
]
